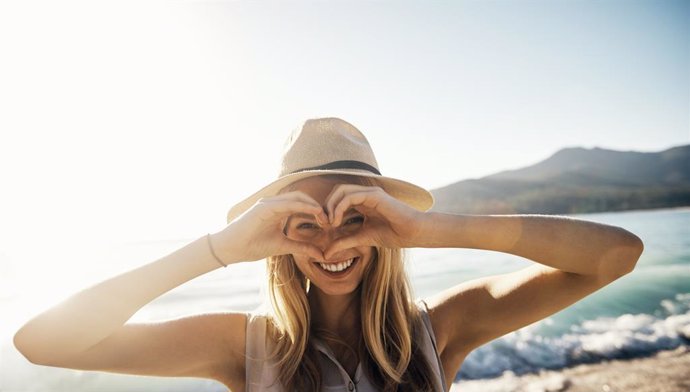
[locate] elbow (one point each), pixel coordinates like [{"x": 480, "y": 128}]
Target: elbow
[
  {"x": 634, "y": 249},
  {"x": 623, "y": 258},
  {"x": 26, "y": 345},
  {"x": 23, "y": 344}
]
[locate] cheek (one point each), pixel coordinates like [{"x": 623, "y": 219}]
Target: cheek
[
  {"x": 301, "y": 263},
  {"x": 367, "y": 252}
]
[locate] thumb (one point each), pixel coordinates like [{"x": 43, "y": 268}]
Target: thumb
[
  {"x": 292, "y": 246},
  {"x": 347, "y": 242}
]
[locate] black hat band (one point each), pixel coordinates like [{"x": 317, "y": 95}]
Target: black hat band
[{"x": 342, "y": 165}]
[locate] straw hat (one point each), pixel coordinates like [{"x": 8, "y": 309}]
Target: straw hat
[{"x": 332, "y": 146}]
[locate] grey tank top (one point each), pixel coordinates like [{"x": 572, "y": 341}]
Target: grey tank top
[{"x": 262, "y": 375}]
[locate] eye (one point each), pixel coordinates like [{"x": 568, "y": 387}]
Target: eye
[
  {"x": 355, "y": 220},
  {"x": 307, "y": 226}
]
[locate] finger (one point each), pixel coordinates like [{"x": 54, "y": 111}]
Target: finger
[
  {"x": 347, "y": 242},
  {"x": 333, "y": 197},
  {"x": 294, "y": 195},
  {"x": 337, "y": 193},
  {"x": 321, "y": 216},
  {"x": 368, "y": 199},
  {"x": 283, "y": 209},
  {"x": 303, "y": 248}
]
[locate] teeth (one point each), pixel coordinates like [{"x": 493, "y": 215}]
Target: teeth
[{"x": 337, "y": 267}]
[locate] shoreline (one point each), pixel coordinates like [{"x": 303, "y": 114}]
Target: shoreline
[
  {"x": 655, "y": 209},
  {"x": 678, "y": 208},
  {"x": 665, "y": 371}
]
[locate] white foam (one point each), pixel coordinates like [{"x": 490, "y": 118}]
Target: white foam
[{"x": 603, "y": 338}]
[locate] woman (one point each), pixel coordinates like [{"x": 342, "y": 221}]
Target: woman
[{"x": 332, "y": 228}]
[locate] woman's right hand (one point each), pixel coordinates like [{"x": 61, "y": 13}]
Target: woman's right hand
[
  {"x": 258, "y": 232},
  {"x": 68, "y": 335}
]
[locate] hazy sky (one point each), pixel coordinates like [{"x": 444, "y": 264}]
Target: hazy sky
[{"x": 126, "y": 120}]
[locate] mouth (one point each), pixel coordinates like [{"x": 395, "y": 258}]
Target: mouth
[{"x": 338, "y": 269}]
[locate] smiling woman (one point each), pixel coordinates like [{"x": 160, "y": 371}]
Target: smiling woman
[
  {"x": 334, "y": 287},
  {"x": 333, "y": 230}
]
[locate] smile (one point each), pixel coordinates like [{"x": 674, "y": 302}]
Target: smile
[{"x": 339, "y": 268}]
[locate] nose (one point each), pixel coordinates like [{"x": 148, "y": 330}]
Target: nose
[{"x": 327, "y": 236}]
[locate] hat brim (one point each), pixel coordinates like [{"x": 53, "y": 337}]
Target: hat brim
[{"x": 410, "y": 194}]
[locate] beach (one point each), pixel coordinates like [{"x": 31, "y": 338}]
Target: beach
[
  {"x": 643, "y": 315},
  {"x": 666, "y": 371}
]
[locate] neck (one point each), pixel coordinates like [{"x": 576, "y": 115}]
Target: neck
[{"x": 339, "y": 314}]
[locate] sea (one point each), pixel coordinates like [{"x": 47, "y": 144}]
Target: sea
[{"x": 638, "y": 315}]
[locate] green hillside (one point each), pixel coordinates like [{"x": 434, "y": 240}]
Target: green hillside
[{"x": 577, "y": 180}]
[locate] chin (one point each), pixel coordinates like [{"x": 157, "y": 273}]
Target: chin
[{"x": 330, "y": 290}]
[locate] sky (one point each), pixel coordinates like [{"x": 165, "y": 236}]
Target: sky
[{"x": 141, "y": 120}]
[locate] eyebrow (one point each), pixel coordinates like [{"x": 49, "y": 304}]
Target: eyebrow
[{"x": 304, "y": 215}]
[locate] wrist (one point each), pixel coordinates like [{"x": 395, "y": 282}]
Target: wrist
[
  {"x": 441, "y": 230},
  {"x": 426, "y": 226},
  {"x": 219, "y": 244}
]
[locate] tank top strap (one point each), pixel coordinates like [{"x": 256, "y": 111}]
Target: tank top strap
[
  {"x": 260, "y": 372},
  {"x": 431, "y": 350}
]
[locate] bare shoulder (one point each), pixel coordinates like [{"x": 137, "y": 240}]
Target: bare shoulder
[
  {"x": 206, "y": 345},
  {"x": 475, "y": 312}
]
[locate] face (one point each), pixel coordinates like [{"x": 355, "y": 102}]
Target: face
[{"x": 342, "y": 273}]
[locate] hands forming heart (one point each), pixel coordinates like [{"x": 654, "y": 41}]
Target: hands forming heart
[
  {"x": 388, "y": 222},
  {"x": 259, "y": 232}
]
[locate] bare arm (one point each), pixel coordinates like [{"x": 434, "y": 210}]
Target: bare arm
[
  {"x": 568, "y": 244},
  {"x": 573, "y": 258},
  {"x": 89, "y": 329},
  {"x": 64, "y": 334},
  {"x": 576, "y": 258}
]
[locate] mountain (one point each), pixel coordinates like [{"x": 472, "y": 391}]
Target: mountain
[{"x": 577, "y": 180}]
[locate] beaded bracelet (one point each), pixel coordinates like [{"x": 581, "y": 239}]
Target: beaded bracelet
[{"x": 210, "y": 246}]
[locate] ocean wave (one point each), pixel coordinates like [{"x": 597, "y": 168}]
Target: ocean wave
[{"x": 603, "y": 338}]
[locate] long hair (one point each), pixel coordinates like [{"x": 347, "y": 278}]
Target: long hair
[{"x": 389, "y": 323}]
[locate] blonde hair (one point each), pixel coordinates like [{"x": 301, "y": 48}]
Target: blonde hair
[{"x": 389, "y": 323}]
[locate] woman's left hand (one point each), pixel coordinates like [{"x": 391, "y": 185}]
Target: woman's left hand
[{"x": 388, "y": 222}]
